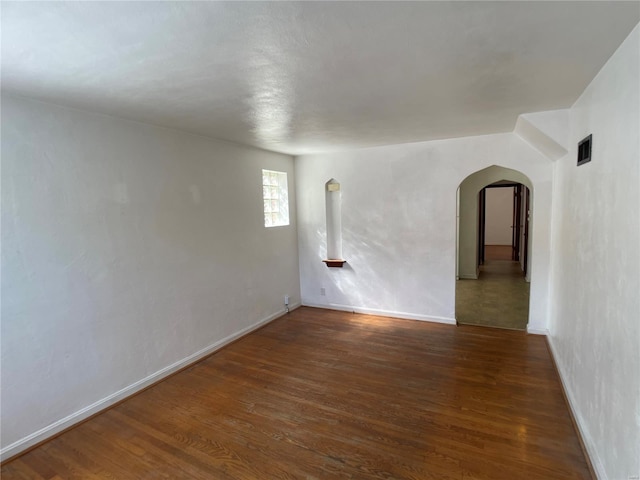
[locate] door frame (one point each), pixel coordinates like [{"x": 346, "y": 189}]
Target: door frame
[{"x": 482, "y": 221}]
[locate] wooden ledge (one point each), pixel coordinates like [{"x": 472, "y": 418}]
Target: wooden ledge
[{"x": 335, "y": 263}]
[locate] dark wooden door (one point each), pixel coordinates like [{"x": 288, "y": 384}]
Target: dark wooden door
[
  {"x": 525, "y": 246},
  {"x": 482, "y": 215},
  {"x": 516, "y": 230}
]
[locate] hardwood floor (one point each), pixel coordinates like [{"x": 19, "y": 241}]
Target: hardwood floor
[
  {"x": 497, "y": 252},
  {"x": 320, "y": 394}
]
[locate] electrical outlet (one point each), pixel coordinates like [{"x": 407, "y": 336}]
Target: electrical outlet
[
  {"x": 286, "y": 299},
  {"x": 323, "y": 292}
]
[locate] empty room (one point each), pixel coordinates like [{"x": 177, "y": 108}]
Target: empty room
[{"x": 318, "y": 240}]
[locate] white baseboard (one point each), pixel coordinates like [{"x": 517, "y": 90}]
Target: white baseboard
[
  {"x": 588, "y": 442},
  {"x": 537, "y": 331},
  {"x": 77, "y": 417},
  {"x": 384, "y": 313}
]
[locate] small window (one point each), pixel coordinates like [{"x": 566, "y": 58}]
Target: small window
[{"x": 275, "y": 194}]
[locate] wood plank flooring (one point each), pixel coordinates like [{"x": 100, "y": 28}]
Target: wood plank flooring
[
  {"x": 319, "y": 394},
  {"x": 497, "y": 252}
]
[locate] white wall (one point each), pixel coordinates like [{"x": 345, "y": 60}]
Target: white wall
[
  {"x": 399, "y": 224},
  {"x": 595, "y": 314},
  {"x": 499, "y": 211},
  {"x": 127, "y": 251}
]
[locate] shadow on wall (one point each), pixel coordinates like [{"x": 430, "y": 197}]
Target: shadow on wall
[{"x": 347, "y": 286}]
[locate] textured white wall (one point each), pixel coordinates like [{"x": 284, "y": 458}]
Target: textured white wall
[
  {"x": 499, "y": 216},
  {"x": 399, "y": 224},
  {"x": 126, "y": 249},
  {"x": 595, "y": 315}
]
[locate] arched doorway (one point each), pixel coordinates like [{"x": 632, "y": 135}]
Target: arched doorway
[{"x": 492, "y": 282}]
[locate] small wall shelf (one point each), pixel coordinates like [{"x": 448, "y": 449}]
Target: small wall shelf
[{"x": 334, "y": 263}]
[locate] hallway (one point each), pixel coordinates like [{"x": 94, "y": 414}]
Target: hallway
[{"x": 499, "y": 298}]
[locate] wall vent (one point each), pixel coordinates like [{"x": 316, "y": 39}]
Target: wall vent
[{"x": 584, "y": 150}]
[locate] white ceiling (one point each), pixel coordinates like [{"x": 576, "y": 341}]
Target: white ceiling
[{"x": 300, "y": 77}]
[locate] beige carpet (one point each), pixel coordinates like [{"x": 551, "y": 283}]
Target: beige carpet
[{"x": 499, "y": 298}]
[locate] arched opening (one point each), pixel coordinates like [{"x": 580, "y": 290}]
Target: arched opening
[{"x": 494, "y": 257}]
